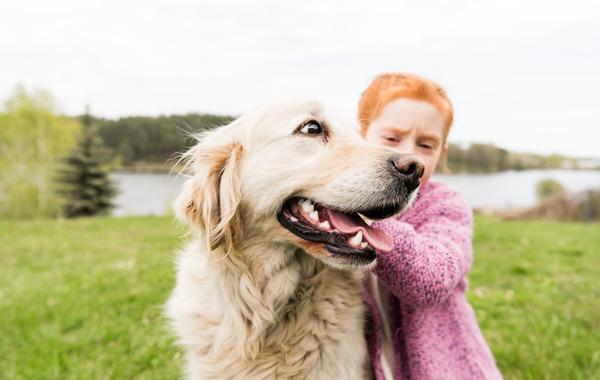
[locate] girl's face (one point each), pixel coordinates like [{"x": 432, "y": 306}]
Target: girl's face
[{"x": 411, "y": 126}]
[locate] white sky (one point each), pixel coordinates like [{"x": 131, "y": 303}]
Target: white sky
[{"x": 523, "y": 74}]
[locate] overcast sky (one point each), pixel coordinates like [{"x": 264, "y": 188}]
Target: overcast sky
[{"x": 522, "y": 74}]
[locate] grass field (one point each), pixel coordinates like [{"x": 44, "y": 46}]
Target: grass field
[{"x": 82, "y": 299}]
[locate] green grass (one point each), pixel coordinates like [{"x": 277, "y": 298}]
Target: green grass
[
  {"x": 82, "y": 299},
  {"x": 535, "y": 287}
]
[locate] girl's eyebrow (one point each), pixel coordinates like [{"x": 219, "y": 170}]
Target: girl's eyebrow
[
  {"x": 425, "y": 135},
  {"x": 391, "y": 128},
  {"x": 430, "y": 136}
]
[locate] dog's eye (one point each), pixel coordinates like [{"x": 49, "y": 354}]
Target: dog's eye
[{"x": 311, "y": 128}]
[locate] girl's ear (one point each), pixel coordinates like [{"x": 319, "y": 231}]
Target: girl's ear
[{"x": 210, "y": 198}]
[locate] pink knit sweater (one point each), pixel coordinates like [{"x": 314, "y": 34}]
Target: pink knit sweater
[{"x": 434, "y": 333}]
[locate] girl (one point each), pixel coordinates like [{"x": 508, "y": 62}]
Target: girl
[{"x": 422, "y": 326}]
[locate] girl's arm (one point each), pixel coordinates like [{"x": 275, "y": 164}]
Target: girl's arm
[{"x": 428, "y": 261}]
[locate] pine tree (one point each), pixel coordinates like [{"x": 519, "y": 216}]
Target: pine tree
[{"x": 84, "y": 181}]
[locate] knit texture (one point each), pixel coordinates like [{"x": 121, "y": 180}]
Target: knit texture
[{"x": 434, "y": 330}]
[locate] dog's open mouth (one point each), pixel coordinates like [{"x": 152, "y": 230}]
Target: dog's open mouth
[{"x": 342, "y": 233}]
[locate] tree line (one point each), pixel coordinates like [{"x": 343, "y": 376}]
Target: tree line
[
  {"x": 143, "y": 139},
  {"x": 487, "y": 158},
  {"x": 135, "y": 139}
]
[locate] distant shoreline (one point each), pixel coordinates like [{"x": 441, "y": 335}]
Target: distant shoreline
[{"x": 150, "y": 167}]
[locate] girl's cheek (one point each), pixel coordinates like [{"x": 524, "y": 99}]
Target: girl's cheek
[
  {"x": 430, "y": 165},
  {"x": 426, "y": 175}
]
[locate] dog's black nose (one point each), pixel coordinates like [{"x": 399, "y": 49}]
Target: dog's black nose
[{"x": 409, "y": 168}]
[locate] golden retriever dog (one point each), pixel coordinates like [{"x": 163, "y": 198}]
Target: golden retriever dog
[{"x": 275, "y": 202}]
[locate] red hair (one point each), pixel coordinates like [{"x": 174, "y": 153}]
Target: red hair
[{"x": 391, "y": 86}]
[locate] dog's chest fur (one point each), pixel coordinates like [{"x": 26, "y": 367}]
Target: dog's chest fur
[{"x": 292, "y": 317}]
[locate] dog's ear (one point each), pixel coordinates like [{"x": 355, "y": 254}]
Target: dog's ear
[{"x": 210, "y": 198}]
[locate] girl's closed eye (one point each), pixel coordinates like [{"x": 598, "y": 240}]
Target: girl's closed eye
[
  {"x": 390, "y": 139},
  {"x": 427, "y": 146}
]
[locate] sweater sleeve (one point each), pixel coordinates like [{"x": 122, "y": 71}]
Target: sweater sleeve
[{"x": 428, "y": 261}]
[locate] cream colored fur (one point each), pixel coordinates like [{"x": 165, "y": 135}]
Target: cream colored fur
[{"x": 252, "y": 300}]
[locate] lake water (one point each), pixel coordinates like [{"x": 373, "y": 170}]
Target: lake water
[{"x": 145, "y": 194}]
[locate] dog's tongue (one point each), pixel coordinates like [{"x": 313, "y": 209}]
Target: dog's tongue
[{"x": 351, "y": 224}]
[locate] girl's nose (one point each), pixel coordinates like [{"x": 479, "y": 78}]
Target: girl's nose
[{"x": 406, "y": 146}]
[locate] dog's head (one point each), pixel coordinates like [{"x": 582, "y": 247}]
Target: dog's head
[{"x": 294, "y": 174}]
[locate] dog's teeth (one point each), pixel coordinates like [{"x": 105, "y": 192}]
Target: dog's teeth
[
  {"x": 357, "y": 238},
  {"x": 367, "y": 220},
  {"x": 364, "y": 245},
  {"x": 325, "y": 225},
  {"x": 293, "y": 219},
  {"x": 314, "y": 216},
  {"x": 307, "y": 206}
]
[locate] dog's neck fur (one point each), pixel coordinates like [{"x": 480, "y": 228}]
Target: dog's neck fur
[
  {"x": 267, "y": 287},
  {"x": 287, "y": 315}
]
